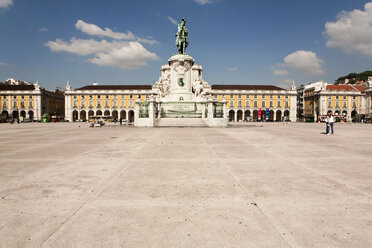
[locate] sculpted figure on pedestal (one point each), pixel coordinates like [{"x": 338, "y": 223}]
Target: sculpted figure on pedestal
[{"x": 182, "y": 40}]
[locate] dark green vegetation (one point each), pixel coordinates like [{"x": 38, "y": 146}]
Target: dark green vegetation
[{"x": 354, "y": 77}]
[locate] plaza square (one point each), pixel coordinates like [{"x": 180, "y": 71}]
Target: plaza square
[{"x": 251, "y": 185}]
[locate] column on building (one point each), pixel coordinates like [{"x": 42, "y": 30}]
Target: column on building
[{"x": 293, "y": 108}]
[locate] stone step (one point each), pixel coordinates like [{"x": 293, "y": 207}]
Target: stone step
[{"x": 180, "y": 122}]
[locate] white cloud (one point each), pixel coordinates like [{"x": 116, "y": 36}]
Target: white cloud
[
  {"x": 234, "y": 68},
  {"x": 122, "y": 54},
  {"x": 172, "y": 20},
  {"x": 285, "y": 84},
  {"x": 125, "y": 51},
  {"x": 93, "y": 29},
  {"x": 42, "y": 29},
  {"x": 305, "y": 62},
  {"x": 279, "y": 72},
  {"x": 6, "y": 3},
  {"x": 3, "y": 64},
  {"x": 130, "y": 56},
  {"x": 203, "y": 2},
  {"x": 352, "y": 32}
]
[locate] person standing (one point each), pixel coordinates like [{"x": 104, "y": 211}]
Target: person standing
[
  {"x": 331, "y": 121},
  {"x": 327, "y": 125}
]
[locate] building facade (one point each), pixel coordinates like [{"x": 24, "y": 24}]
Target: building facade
[
  {"x": 257, "y": 102},
  {"x": 347, "y": 102},
  {"x": 244, "y": 102},
  {"x": 25, "y": 100},
  {"x": 117, "y": 101}
]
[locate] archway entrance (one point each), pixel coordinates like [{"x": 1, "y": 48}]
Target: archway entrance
[
  {"x": 286, "y": 115},
  {"x": 107, "y": 113},
  {"x": 255, "y": 115},
  {"x": 15, "y": 114},
  {"x": 83, "y": 115},
  {"x": 90, "y": 113},
  {"x": 263, "y": 115},
  {"x": 74, "y": 115},
  {"x": 231, "y": 115},
  {"x": 279, "y": 115},
  {"x": 123, "y": 114},
  {"x": 99, "y": 112},
  {"x": 31, "y": 115},
  {"x": 239, "y": 115},
  {"x": 115, "y": 115},
  {"x": 247, "y": 115},
  {"x": 131, "y": 116},
  {"x": 271, "y": 115}
]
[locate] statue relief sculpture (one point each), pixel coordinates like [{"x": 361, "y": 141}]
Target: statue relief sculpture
[{"x": 182, "y": 40}]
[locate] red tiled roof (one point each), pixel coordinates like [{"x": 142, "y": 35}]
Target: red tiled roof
[
  {"x": 244, "y": 87},
  {"x": 345, "y": 88},
  {"x": 116, "y": 87},
  {"x": 360, "y": 88}
]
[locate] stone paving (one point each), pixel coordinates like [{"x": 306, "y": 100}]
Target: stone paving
[{"x": 251, "y": 185}]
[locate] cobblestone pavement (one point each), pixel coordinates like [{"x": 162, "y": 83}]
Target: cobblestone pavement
[{"x": 251, "y": 185}]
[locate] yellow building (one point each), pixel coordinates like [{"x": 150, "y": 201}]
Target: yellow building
[
  {"x": 28, "y": 101},
  {"x": 257, "y": 102},
  {"x": 244, "y": 102},
  {"x": 116, "y": 101},
  {"x": 346, "y": 102}
]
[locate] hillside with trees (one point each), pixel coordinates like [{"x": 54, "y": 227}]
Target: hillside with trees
[{"x": 354, "y": 77}]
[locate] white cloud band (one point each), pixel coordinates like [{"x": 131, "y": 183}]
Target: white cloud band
[
  {"x": 352, "y": 32},
  {"x": 6, "y": 3},
  {"x": 305, "y": 62},
  {"x": 125, "y": 51}
]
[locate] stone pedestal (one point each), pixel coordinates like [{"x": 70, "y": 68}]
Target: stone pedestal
[{"x": 181, "y": 78}]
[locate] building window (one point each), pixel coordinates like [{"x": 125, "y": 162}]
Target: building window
[
  {"x": 337, "y": 97},
  {"x": 130, "y": 96},
  {"x": 247, "y": 103},
  {"x": 354, "y": 104},
  {"x": 271, "y": 104},
  {"x": 255, "y": 104},
  {"x": 231, "y": 103},
  {"x": 286, "y": 104},
  {"x": 99, "y": 96},
  {"x": 255, "y": 96},
  {"x": 263, "y": 104},
  {"x": 330, "y": 98},
  {"x": 239, "y": 103},
  {"x": 239, "y": 96},
  {"x": 329, "y": 104},
  {"x": 22, "y": 104},
  {"x": 354, "y": 97},
  {"x": 337, "y": 104},
  {"x": 286, "y": 97},
  {"x": 279, "y": 104},
  {"x": 30, "y": 104},
  {"x": 344, "y": 104}
]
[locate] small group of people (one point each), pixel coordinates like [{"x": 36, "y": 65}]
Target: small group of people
[{"x": 330, "y": 120}]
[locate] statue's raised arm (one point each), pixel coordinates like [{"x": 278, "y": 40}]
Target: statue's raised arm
[{"x": 182, "y": 40}]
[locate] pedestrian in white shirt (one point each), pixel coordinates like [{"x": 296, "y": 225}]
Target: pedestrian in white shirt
[{"x": 331, "y": 122}]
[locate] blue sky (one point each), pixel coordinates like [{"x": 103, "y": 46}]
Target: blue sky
[{"x": 236, "y": 41}]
